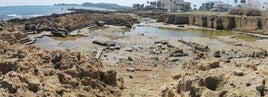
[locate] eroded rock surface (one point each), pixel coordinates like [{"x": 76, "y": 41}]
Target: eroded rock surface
[{"x": 29, "y": 71}]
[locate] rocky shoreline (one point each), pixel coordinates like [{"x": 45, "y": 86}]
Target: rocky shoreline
[
  {"x": 114, "y": 63},
  {"x": 249, "y": 24}
]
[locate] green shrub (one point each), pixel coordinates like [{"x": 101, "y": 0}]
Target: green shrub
[
  {"x": 253, "y": 12},
  {"x": 236, "y": 11},
  {"x": 247, "y": 12}
]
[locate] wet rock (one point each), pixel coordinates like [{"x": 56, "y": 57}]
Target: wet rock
[
  {"x": 195, "y": 46},
  {"x": 136, "y": 21},
  {"x": 100, "y": 42},
  {"x": 59, "y": 33},
  {"x": 104, "y": 43}
]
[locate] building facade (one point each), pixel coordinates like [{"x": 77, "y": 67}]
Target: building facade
[
  {"x": 215, "y": 6},
  {"x": 174, "y": 5},
  {"x": 265, "y": 6},
  {"x": 254, "y": 3}
]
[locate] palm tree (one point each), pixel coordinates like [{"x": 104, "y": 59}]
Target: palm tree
[
  {"x": 194, "y": 7},
  {"x": 235, "y": 2},
  {"x": 243, "y": 1},
  {"x": 158, "y": 5}
]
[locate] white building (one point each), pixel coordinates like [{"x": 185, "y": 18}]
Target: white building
[
  {"x": 174, "y": 5},
  {"x": 215, "y": 6},
  {"x": 252, "y": 4},
  {"x": 264, "y": 6}
]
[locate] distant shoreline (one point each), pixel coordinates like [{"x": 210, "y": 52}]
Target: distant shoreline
[{"x": 21, "y": 12}]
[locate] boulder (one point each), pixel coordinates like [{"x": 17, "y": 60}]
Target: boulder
[
  {"x": 208, "y": 65},
  {"x": 100, "y": 23},
  {"x": 238, "y": 73},
  {"x": 109, "y": 77}
]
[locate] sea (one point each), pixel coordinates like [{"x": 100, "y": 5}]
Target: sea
[{"x": 11, "y": 12}]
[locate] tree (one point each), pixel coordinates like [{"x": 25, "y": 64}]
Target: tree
[
  {"x": 142, "y": 6},
  {"x": 187, "y": 7},
  {"x": 195, "y": 7},
  {"x": 235, "y": 2},
  {"x": 243, "y": 1},
  {"x": 158, "y": 5}
]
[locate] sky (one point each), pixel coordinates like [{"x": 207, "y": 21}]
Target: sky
[{"x": 120, "y": 2}]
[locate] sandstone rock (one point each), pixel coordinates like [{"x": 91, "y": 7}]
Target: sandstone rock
[
  {"x": 209, "y": 65},
  {"x": 117, "y": 47},
  {"x": 136, "y": 21},
  {"x": 110, "y": 78},
  {"x": 238, "y": 44},
  {"x": 53, "y": 73},
  {"x": 104, "y": 42},
  {"x": 217, "y": 54},
  {"x": 163, "y": 42},
  {"x": 59, "y": 33},
  {"x": 129, "y": 59},
  {"x": 100, "y": 42},
  {"x": 68, "y": 21},
  {"x": 173, "y": 59},
  {"x": 178, "y": 53},
  {"x": 129, "y": 49},
  {"x": 214, "y": 64},
  {"x": 131, "y": 69},
  {"x": 238, "y": 73}
]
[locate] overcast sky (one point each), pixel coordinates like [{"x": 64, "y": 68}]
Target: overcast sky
[{"x": 120, "y": 2}]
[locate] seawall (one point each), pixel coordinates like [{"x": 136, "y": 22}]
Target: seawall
[{"x": 258, "y": 25}]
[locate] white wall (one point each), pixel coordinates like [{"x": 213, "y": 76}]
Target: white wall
[{"x": 169, "y": 4}]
